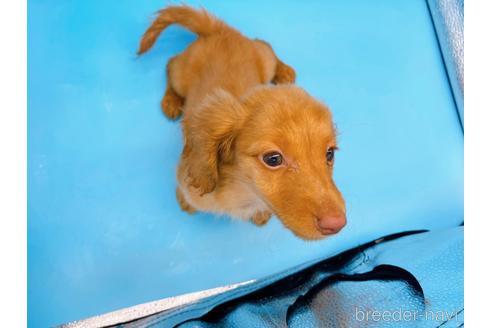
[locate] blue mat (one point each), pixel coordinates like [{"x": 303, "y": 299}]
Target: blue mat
[{"x": 104, "y": 229}]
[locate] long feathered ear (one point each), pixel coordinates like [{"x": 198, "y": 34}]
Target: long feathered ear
[{"x": 210, "y": 132}]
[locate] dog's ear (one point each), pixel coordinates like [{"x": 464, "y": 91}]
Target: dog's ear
[{"x": 210, "y": 131}]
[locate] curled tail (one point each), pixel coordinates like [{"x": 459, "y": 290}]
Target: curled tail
[{"x": 198, "y": 21}]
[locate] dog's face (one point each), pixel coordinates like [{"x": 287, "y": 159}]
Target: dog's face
[{"x": 286, "y": 147}]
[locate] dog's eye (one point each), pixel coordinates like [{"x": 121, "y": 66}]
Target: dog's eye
[
  {"x": 330, "y": 155},
  {"x": 272, "y": 159}
]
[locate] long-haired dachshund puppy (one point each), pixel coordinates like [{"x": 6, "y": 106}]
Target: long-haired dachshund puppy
[{"x": 254, "y": 143}]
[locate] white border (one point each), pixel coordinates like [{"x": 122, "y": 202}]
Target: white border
[
  {"x": 478, "y": 163},
  {"x": 13, "y": 73}
]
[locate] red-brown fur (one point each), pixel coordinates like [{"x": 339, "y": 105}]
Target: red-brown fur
[{"x": 233, "y": 115}]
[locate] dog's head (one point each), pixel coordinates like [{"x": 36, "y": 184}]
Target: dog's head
[{"x": 282, "y": 142}]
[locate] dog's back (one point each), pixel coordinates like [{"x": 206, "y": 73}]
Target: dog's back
[{"x": 221, "y": 57}]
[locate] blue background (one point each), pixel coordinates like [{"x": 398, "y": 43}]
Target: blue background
[{"x": 104, "y": 229}]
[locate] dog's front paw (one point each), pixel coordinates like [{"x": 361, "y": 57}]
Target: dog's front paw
[
  {"x": 261, "y": 218},
  {"x": 185, "y": 206}
]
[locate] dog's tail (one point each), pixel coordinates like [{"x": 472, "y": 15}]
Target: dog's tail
[{"x": 198, "y": 21}]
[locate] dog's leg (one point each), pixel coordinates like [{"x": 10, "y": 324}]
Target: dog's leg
[
  {"x": 183, "y": 203},
  {"x": 284, "y": 74},
  {"x": 172, "y": 103},
  {"x": 261, "y": 218}
]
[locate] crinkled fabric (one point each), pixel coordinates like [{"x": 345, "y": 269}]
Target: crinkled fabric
[
  {"x": 414, "y": 280},
  {"x": 448, "y": 17}
]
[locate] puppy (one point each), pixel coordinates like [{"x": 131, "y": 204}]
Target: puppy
[{"x": 254, "y": 144}]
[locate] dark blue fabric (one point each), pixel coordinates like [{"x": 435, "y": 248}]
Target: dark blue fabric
[{"x": 411, "y": 281}]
